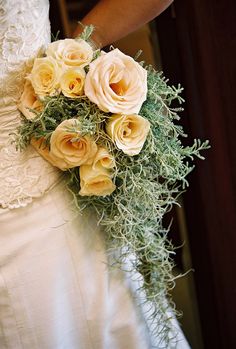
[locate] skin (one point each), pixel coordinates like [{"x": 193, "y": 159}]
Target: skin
[{"x": 114, "y": 19}]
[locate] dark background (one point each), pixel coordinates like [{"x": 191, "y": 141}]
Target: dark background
[{"x": 198, "y": 47}]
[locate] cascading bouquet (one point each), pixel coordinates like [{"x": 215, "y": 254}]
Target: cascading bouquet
[{"x": 107, "y": 121}]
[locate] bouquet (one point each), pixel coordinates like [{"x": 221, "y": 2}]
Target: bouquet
[{"x": 106, "y": 120}]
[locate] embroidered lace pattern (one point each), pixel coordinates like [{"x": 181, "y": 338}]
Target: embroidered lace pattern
[{"x": 24, "y": 32}]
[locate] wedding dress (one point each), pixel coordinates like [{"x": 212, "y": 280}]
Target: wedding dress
[{"x": 56, "y": 290}]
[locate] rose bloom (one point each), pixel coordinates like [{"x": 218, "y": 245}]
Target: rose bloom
[
  {"x": 45, "y": 76},
  {"x": 128, "y": 132},
  {"x": 71, "y": 52},
  {"x": 116, "y": 83},
  {"x": 103, "y": 158},
  {"x": 43, "y": 149},
  {"x": 67, "y": 144},
  {"x": 29, "y": 101},
  {"x": 72, "y": 82},
  {"x": 95, "y": 181}
]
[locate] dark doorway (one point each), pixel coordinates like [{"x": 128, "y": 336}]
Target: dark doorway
[{"x": 198, "y": 48}]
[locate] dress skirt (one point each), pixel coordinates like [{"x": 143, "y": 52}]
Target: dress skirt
[{"x": 56, "y": 289}]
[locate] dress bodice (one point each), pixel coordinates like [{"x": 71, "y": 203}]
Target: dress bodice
[{"x": 24, "y": 32}]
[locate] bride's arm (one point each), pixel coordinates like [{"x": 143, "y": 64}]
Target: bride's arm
[{"x": 114, "y": 19}]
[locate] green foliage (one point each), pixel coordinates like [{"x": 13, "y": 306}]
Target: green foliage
[
  {"x": 87, "y": 31},
  {"x": 148, "y": 185}
]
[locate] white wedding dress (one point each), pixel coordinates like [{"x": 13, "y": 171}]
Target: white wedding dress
[{"x": 56, "y": 290}]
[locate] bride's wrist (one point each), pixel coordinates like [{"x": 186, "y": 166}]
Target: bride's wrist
[{"x": 95, "y": 39}]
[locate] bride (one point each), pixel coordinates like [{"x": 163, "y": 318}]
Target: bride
[{"x": 55, "y": 288}]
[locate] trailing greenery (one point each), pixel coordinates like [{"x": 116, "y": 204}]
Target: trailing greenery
[{"x": 148, "y": 185}]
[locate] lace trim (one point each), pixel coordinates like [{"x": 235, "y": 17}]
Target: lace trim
[
  {"x": 24, "y": 176},
  {"x": 24, "y": 31}
]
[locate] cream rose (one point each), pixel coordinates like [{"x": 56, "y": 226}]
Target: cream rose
[
  {"x": 43, "y": 149},
  {"x": 45, "y": 76},
  {"x": 66, "y": 143},
  {"x": 95, "y": 181},
  {"x": 29, "y": 101},
  {"x": 116, "y": 83},
  {"x": 128, "y": 132},
  {"x": 71, "y": 52},
  {"x": 72, "y": 82},
  {"x": 103, "y": 158}
]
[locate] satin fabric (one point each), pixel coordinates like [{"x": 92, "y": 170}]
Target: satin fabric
[{"x": 56, "y": 290}]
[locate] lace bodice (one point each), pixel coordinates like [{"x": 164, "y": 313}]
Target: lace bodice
[{"x": 24, "y": 31}]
